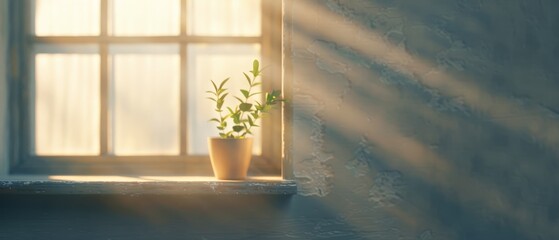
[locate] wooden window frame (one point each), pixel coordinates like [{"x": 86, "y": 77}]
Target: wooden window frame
[{"x": 20, "y": 42}]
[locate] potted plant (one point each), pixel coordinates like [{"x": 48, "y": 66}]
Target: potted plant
[{"x": 231, "y": 152}]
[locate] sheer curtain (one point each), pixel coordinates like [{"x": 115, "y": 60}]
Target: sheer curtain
[
  {"x": 67, "y": 104},
  {"x": 67, "y": 79},
  {"x": 145, "y": 99},
  {"x": 144, "y": 79},
  {"x": 145, "y": 17},
  {"x": 67, "y": 17},
  {"x": 224, "y": 17}
]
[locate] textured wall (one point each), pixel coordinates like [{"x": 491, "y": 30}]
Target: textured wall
[
  {"x": 432, "y": 119},
  {"x": 412, "y": 119},
  {"x": 3, "y": 86}
]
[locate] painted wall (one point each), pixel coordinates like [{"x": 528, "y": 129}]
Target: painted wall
[
  {"x": 3, "y": 87},
  {"x": 431, "y": 119}
]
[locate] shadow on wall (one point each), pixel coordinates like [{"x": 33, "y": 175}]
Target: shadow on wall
[
  {"x": 169, "y": 217},
  {"x": 3, "y": 86},
  {"x": 439, "y": 114}
]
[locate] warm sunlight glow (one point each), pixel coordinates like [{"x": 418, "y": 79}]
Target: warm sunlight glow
[
  {"x": 390, "y": 140},
  {"x": 81, "y": 178},
  {"x": 67, "y": 17},
  {"x": 145, "y": 100},
  {"x": 66, "y": 104},
  {"x": 145, "y": 17},
  {"x": 144, "y": 79},
  {"x": 215, "y": 62},
  {"x": 224, "y": 17}
]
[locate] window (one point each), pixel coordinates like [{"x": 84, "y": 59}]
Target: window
[{"x": 118, "y": 86}]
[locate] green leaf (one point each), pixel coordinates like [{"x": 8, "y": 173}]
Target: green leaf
[
  {"x": 222, "y": 98},
  {"x": 238, "y": 128},
  {"x": 258, "y": 104},
  {"x": 215, "y": 86},
  {"x": 255, "y": 67},
  {"x": 250, "y": 121},
  {"x": 223, "y": 83},
  {"x": 248, "y": 79},
  {"x": 240, "y": 100},
  {"x": 245, "y": 107},
  {"x": 245, "y": 93},
  {"x": 273, "y": 97},
  {"x": 221, "y": 90},
  {"x": 219, "y": 103},
  {"x": 215, "y": 120},
  {"x": 236, "y": 118}
]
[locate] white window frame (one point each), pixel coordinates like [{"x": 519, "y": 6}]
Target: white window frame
[{"x": 20, "y": 117}]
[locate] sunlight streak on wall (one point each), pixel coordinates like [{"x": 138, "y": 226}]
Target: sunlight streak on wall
[
  {"x": 375, "y": 102},
  {"x": 532, "y": 121}
]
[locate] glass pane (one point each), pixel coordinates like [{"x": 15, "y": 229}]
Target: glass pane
[
  {"x": 67, "y": 17},
  {"x": 67, "y": 104},
  {"x": 145, "y": 102},
  {"x": 224, "y": 17},
  {"x": 145, "y": 17},
  {"x": 215, "y": 62}
]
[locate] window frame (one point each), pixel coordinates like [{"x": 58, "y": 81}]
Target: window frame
[{"x": 20, "y": 88}]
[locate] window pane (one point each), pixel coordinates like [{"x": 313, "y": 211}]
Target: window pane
[
  {"x": 145, "y": 101},
  {"x": 224, "y": 17},
  {"x": 67, "y": 17},
  {"x": 67, "y": 104},
  {"x": 215, "y": 62},
  {"x": 145, "y": 17}
]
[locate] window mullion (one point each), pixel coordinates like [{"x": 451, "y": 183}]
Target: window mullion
[
  {"x": 104, "y": 55},
  {"x": 105, "y": 43},
  {"x": 183, "y": 84}
]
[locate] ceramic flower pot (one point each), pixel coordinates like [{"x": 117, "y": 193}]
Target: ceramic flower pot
[{"x": 230, "y": 157}]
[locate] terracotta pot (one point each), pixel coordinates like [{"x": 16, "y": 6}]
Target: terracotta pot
[{"x": 230, "y": 157}]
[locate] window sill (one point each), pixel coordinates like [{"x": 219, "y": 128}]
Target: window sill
[{"x": 144, "y": 185}]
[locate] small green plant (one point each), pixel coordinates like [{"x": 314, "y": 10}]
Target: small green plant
[{"x": 245, "y": 114}]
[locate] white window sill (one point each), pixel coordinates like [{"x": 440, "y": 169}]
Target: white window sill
[{"x": 143, "y": 185}]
